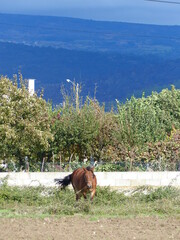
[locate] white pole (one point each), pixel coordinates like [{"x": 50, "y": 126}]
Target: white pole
[{"x": 31, "y": 86}]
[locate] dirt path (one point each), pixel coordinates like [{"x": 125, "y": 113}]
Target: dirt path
[{"x": 78, "y": 228}]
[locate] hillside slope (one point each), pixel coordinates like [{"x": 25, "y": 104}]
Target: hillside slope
[
  {"x": 115, "y": 75},
  {"x": 120, "y": 59},
  {"x": 88, "y": 35}
]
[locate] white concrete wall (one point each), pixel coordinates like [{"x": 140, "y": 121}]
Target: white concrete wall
[{"x": 112, "y": 179}]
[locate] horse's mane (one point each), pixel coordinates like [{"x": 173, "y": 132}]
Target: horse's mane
[{"x": 88, "y": 168}]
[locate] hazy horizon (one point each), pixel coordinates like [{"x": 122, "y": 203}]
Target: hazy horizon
[{"x": 139, "y": 11}]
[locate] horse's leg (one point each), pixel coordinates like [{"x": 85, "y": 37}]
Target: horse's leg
[
  {"x": 84, "y": 195},
  {"x": 92, "y": 194},
  {"x": 78, "y": 195}
]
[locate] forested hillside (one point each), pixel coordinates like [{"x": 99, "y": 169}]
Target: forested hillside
[
  {"x": 110, "y": 59},
  {"x": 88, "y": 35},
  {"x": 115, "y": 76}
]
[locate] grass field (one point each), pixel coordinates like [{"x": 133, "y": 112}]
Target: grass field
[{"x": 43, "y": 202}]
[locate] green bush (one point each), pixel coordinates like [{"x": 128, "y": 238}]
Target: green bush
[{"x": 141, "y": 133}]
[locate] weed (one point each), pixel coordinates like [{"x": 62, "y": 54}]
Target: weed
[{"x": 16, "y": 201}]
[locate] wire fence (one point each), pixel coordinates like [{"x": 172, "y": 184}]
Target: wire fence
[{"x": 100, "y": 166}]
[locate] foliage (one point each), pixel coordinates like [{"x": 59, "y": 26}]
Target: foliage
[
  {"x": 149, "y": 119},
  {"x": 39, "y": 201},
  {"x": 149, "y": 130},
  {"x": 142, "y": 134},
  {"x": 164, "y": 155},
  {"x": 157, "y": 194},
  {"x": 74, "y": 131},
  {"x": 24, "y": 122}
]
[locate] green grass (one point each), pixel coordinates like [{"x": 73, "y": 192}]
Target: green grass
[{"x": 42, "y": 202}]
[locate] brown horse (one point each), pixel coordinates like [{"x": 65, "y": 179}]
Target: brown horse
[{"x": 83, "y": 180}]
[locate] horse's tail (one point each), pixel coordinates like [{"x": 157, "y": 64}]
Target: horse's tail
[{"x": 63, "y": 182}]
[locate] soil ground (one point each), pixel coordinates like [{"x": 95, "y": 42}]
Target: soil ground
[{"x": 78, "y": 228}]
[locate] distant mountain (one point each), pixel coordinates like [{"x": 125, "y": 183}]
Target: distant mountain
[
  {"x": 115, "y": 75},
  {"x": 88, "y": 35},
  {"x": 121, "y": 59}
]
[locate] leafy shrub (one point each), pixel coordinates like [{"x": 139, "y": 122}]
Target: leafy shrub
[
  {"x": 41, "y": 201},
  {"x": 142, "y": 134},
  {"x": 159, "y": 194}
]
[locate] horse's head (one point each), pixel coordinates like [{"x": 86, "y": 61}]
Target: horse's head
[{"x": 89, "y": 176}]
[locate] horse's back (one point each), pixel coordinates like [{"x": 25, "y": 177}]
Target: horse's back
[
  {"x": 78, "y": 179},
  {"x": 78, "y": 173}
]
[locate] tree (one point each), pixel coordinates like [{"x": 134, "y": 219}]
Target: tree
[
  {"x": 24, "y": 122},
  {"x": 75, "y": 131},
  {"x": 149, "y": 119}
]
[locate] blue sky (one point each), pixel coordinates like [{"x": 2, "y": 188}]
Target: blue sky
[{"x": 139, "y": 11}]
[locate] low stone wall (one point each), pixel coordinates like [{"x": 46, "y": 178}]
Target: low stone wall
[{"x": 112, "y": 179}]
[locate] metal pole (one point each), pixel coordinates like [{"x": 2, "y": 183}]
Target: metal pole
[{"x": 77, "y": 97}]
